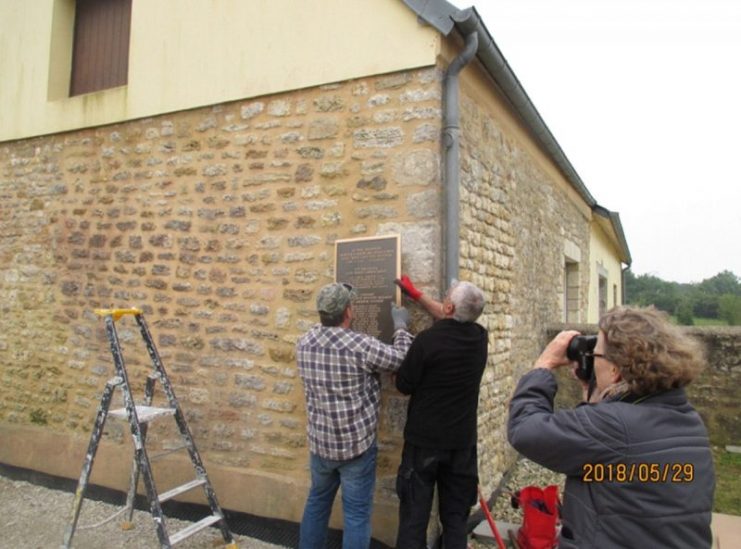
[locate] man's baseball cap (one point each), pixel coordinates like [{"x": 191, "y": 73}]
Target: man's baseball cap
[{"x": 334, "y": 298}]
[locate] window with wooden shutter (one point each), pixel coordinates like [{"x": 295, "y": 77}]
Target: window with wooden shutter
[{"x": 100, "y": 56}]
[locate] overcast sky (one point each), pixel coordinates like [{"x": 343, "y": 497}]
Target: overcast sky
[{"x": 644, "y": 97}]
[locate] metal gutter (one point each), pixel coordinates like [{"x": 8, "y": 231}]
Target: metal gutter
[
  {"x": 467, "y": 21},
  {"x": 445, "y": 17},
  {"x": 436, "y": 13},
  {"x": 451, "y": 141}
]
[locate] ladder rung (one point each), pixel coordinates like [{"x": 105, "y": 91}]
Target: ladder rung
[
  {"x": 181, "y": 489},
  {"x": 144, "y": 413},
  {"x": 177, "y": 537}
]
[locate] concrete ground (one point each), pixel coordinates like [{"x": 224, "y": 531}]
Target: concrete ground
[
  {"x": 726, "y": 532},
  {"x": 35, "y": 517}
]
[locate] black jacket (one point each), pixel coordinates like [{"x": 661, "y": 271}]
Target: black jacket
[
  {"x": 649, "y": 463},
  {"x": 442, "y": 371}
]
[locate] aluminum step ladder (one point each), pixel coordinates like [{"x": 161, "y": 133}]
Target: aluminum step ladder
[{"x": 139, "y": 416}]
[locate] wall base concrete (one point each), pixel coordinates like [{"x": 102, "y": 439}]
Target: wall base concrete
[{"x": 246, "y": 491}]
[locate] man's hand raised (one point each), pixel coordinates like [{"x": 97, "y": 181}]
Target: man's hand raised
[{"x": 407, "y": 287}]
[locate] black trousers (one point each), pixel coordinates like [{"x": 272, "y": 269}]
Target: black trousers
[{"x": 456, "y": 474}]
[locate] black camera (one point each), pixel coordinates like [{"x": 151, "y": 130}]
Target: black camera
[{"x": 580, "y": 349}]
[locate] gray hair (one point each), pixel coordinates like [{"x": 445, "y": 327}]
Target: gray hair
[{"x": 468, "y": 300}]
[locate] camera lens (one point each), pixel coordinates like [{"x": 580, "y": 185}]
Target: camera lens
[
  {"x": 580, "y": 349},
  {"x": 579, "y": 345}
]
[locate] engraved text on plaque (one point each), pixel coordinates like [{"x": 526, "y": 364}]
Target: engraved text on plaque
[{"x": 370, "y": 265}]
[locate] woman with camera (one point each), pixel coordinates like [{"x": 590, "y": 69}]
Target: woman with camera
[{"x": 636, "y": 455}]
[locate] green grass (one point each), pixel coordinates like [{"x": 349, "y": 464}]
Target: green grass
[
  {"x": 710, "y": 322},
  {"x": 727, "y": 482},
  {"x": 704, "y": 321}
]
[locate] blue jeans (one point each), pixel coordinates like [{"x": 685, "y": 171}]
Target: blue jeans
[{"x": 358, "y": 478}]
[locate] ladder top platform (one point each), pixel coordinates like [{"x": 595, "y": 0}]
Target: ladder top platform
[
  {"x": 118, "y": 313},
  {"x": 143, "y": 413}
]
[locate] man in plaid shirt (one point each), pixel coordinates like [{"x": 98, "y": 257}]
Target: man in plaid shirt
[{"x": 340, "y": 371}]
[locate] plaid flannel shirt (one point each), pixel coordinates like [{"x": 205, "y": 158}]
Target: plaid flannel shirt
[{"x": 339, "y": 369}]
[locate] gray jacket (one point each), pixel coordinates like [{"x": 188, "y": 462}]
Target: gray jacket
[{"x": 639, "y": 474}]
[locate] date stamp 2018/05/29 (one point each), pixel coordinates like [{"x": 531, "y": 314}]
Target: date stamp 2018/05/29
[{"x": 638, "y": 472}]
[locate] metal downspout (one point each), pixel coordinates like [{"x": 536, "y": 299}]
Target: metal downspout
[
  {"x": 623, "y": 293},
  {"x": 451, "y": 159}
]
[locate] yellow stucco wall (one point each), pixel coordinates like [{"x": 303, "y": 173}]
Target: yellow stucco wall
[
  {"x": 603, "y": 258},
  {"x": 187, "y": 53}
]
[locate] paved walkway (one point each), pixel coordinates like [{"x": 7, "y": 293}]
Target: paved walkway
[{"x": 726, "y": 531}]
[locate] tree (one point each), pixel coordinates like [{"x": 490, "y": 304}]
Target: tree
[
  {"x": 724, "y": 282},
  {"x": 729, "y": 309},
  {"x": 684, "y": 313},
  {"x": 704, "y": 303},
  {"x": 650, "y": 290},
  {"x": 698, "y": 300}
]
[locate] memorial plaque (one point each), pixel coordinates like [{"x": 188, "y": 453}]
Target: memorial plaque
[{"x": 370, "y": 265}]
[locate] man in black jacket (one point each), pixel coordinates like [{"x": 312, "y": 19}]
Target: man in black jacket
[{"x": 442, "y": 372}]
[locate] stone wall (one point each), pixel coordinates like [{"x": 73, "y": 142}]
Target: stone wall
[
  {"x": 514, "y": 220},
  {"x": 220, "y": 223},
  {"x": 716, "y": 394}
]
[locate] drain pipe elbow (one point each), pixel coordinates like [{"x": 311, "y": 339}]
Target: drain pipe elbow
[{"x": 451, "y": 158}]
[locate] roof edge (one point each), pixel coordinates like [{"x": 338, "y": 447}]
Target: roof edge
[
  {"x": 444, "y": 17},
  {"x": 436, "y": 13},
  {"x": 617, "y": 227},
  {"x": 467, "y": 21}
]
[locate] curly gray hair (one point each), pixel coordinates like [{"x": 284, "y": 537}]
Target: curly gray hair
[{"x": 652, "y": 354}]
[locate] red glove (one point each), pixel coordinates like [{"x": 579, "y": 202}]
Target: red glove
[{"x": 407, "y": 287}]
